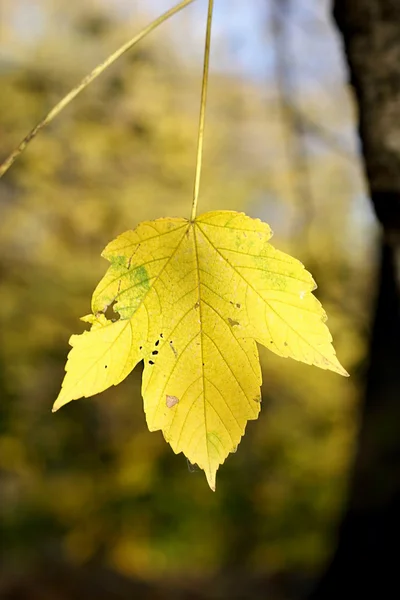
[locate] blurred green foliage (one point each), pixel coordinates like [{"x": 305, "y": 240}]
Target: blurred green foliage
[{"x": 91, "y": 483}]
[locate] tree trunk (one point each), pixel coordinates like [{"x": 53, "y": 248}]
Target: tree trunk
[{"x": 365, "y": 561}]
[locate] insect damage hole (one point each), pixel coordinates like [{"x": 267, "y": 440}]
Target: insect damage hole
[{"x": 109, "y": 312}]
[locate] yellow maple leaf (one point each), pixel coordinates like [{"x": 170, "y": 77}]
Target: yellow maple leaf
[{"x": 193, "y": 298}]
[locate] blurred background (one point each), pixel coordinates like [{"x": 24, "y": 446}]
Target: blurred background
[{"x": 92, "y": 504}]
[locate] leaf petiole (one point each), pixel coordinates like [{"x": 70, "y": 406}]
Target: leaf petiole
[{"x": 203, "y": 103}]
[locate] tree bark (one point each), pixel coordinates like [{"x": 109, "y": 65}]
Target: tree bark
[{"x": 365, "y": 561}]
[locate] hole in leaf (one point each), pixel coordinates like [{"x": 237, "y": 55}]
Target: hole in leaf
[{"x": 110, "y": 313}]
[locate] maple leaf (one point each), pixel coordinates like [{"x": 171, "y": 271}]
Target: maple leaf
[{"x": 193, "y": 298}]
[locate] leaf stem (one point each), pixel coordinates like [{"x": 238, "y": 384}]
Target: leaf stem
[
  {"x": 202, "y": 111},
  {"x": 6, "y": 164}
]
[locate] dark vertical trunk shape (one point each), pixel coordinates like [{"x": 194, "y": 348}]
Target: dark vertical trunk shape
[{"x": 365, "y": 564}]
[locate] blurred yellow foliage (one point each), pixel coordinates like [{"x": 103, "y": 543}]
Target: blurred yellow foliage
[{"x": 92, "y": 481}]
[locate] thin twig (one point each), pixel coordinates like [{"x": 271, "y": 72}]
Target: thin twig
[{"x": 86, "y": 81}]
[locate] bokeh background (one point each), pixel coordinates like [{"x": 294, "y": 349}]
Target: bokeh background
[{"x": 92, "y": 504}]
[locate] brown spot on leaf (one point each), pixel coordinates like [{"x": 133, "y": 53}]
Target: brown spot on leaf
[
  {"x": 232, "y": 323},
  {"x": 171, "y": 401},
  {"x": 197, "y": 304}
]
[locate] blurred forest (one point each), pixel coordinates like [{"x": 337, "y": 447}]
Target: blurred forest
[{"x": 90, "y": 487}]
